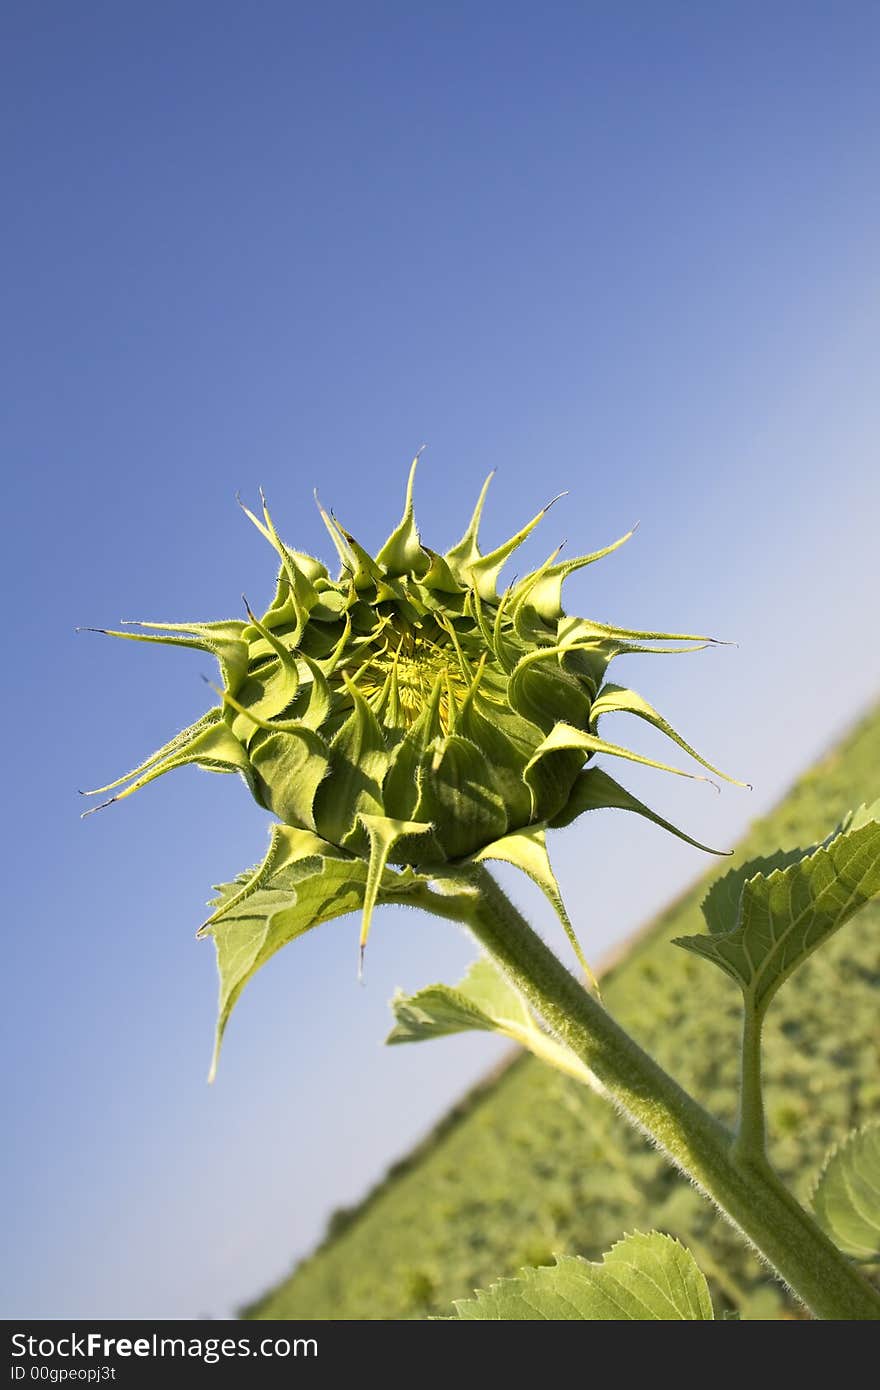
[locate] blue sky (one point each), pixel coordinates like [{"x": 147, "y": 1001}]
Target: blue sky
[{"x": 626, "y": 250}]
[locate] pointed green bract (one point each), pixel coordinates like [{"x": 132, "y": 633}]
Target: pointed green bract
[
  {"x": 594, "y": 790},
  {"x": 182, "y": 740},
  {"x": 463, "y": 555},
  {"x": 456, "y": 796},
  {"x": 209, "y": 744},
  {"x": 616, "y": 699},
  {"x": 847, "y": 1196},
  {"x": 785, "y": 915},
  {"x": 545, "y": 594},
  {"x": 402, "y": 552},
  {"x": 289, "y": 768},
  {"x": 566, "y": 740},
  {"x": 357, "y": 759},
  {"x": 644, "y": 1278},
  {"x": 484, "y": 572},
  {"x": 384, "y": 835},
  {"x": 527, "y": 850},
  {"x": 405, "y": 714}
]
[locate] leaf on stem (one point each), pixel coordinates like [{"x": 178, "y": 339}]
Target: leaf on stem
[
  {"x": 302, "y": 882},
  {"x": 764, "y": 924},
  {"x": 484, "y": 1002},
  {"x": 645, "y": 1278},
  {"x": 847, "y": 1196}
]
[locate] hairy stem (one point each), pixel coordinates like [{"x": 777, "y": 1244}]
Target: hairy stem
[{"x": 743, "y": 1186}]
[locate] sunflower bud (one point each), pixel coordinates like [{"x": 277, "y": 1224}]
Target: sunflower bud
[{"x": 405, "y": 713}]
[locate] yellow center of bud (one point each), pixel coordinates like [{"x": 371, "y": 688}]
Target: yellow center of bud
[{"x": 411, "y": 662}]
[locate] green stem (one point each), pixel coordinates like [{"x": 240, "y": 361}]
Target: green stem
[
  {"x": 745, "y": 1188},
  {"x": 750, "y": 1144}
]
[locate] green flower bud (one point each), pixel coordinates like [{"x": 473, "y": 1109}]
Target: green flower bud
[{"x": 406, "y": 713}]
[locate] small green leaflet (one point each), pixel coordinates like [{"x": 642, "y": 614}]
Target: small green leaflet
[
  {"x": 764, "y": 924},
  {"x": 484, "y": 1001},
  {"x": 644, "y": 1278},
  {"x": 847, "y": 1196}
]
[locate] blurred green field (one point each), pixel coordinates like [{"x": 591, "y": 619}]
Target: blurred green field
[{"x": 531, "y": 1163}]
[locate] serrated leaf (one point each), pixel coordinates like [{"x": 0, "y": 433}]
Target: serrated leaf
[
  {"x": 301, "y": 883},
  {"x": 847, "y": 1196},
  {"x": 644, "y": 1278},
  {"x": 787, "y": 914},
  {"x": 484, "y": 1001},
  {"x": 721, "y": 904}
]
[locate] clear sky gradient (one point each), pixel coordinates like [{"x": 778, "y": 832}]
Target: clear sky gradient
[{"x": 627, "y": 250}]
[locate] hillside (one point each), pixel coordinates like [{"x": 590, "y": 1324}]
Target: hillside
[{"x": 531, "y": 1163}]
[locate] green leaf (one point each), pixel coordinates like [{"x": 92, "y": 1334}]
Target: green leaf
[
  {"x": 721, "y": 904},
  {"x": 643, "y": 1278},
  {"x": 783, "y": 916},
  {"x": 847, "y": 1196},
  {"x": 301, "y": 883},
  {"x": 286, "y": 847},
  {"x": 484, "y": 1001}
]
